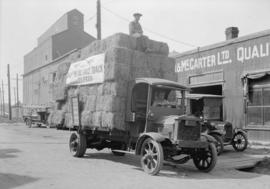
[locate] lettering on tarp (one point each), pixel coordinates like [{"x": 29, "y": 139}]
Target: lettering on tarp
[
  {"x": 243, "y": 54},
  {"x": 88, "y": 71}
]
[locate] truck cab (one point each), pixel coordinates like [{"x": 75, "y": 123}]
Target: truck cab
[{"x": 153, "y": 102}]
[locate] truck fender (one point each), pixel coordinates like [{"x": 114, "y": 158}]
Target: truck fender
[
  {"x": 216, "y": 132},
  {"x": 208, "y": 138},
  {"x": 237, "y": 130},
  {"x": 155, "y": 136}
]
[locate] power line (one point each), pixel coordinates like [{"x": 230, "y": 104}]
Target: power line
[
  {"x": 90, "y": 18},
  {"x": 115, "y": 14},
  {"x": 151, "y": 31},
  {"x": 108, "y": 2}
]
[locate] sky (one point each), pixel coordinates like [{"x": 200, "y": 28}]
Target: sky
[{"x": 183, "y": 24}]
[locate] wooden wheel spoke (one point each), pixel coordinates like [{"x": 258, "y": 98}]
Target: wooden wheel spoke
[
  {"x": 146, "y": 151},
  {"x": 148, "y": 164},
  {"x": 154, "y": 163},
  {"x": 208, "y": 162},
  {"x": 155, "y": 154},
  {"x": 151, "y": 145}
]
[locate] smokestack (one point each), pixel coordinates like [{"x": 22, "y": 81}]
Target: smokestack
[{"x": 231, "y": 33}]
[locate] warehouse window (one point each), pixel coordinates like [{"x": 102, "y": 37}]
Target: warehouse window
[{"x": 258, "y": 109}]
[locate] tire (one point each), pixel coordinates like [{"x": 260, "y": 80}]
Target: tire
[
  {"x": 152, "y": 156},
  {"x": 220, "y": 144},
  {"x": 206, "y": 160},
  {"x": 77, "y": 144},
  {"x": 240, "y": 142}
]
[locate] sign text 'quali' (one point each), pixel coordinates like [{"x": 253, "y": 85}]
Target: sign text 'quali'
[{"x": 243, "y": 55}]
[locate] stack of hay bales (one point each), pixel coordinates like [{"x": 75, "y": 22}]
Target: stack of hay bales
[
  {"x": 104, "y": 105},
  {"x": 59, "y": 86}
]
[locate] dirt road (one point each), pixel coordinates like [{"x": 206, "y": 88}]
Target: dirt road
[{"x": 37, "y": 158}]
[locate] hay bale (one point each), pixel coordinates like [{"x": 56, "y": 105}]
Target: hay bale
[
  {"x": 117, "y": 64},
  {"x": 116, "y": 72},
  {"x": 90, "y": 104},
  {"x": 113, "y": 120},
  {"x": 62, "y": 70},
  {"x": 58, "y": 117},
  {"x": 68, "y": 120},
  {"x": 168, "y": 65},
  {"x": 158, "y": 47},
  {"x": 117, "y": 40},
  {"x": 118, "y": 88},
  {"x": 170, "y": 76},
  {"x": 110, "y": 103},
  {"x": 96, "y": 119},
  {"x": 86, "y": 118}
]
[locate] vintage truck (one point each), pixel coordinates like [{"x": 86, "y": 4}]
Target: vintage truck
[
  {"x": 36, "y": 115},
  {"x": 158, "y": 133},
  {"x": 210, "y": 109}
]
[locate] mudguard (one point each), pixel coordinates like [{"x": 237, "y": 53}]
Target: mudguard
[
  {"x": 216, "y": 132},
  {"x": 238, "y": 130},
  {"x": 155, "y": 136},
  {"x": 208, "y": 138}
]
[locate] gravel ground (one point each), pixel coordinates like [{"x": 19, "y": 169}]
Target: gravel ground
[{"x": 37, "y": 158}]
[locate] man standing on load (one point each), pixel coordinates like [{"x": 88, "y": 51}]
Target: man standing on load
[{"x": 135, "y": 30}]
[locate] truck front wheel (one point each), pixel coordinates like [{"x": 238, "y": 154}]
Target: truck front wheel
[
  {"x": 205, "y": 160},
  {"x": 152, "y": 156},
  {"x": 77, "y": 144}
]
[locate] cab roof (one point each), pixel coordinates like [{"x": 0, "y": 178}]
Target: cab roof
[
  {"x": 200, "y": 96},
  {"x": 162, "y": 82}
]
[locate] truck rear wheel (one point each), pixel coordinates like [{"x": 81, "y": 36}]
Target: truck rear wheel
[
  {"x": 77, "y": 144},
  {"x": 152, "y": 156}
]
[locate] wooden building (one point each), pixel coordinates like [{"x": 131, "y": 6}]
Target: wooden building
[{"x": 238, "y": 69}]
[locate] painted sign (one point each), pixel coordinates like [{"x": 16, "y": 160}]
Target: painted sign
[
  {"x": 88, "y": 71},
  {"x": 243, "y": 55}
]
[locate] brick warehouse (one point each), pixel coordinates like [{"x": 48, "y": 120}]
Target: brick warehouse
[
  {"x": 239, "y": 70},
  {"x": 65, "y": 36}
]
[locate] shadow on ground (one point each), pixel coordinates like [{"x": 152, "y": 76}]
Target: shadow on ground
[
  {"x": 8, "y": 180},
  {"x": 186, "y": 171},
  {"x": 8, "y": 153}
]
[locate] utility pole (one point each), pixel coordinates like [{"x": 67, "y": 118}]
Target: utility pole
[
  {"x": 14, "y": 90},
  {"x": 17, "y": 84},
  {"x": 18, "y": 101},
  {"x": 3, "y": 93},
  {"x": 15, "y": 99},
  {"x": 9, "y": 95},
  {"x": 1, "y": 104},
  {"x": 98, "y": 25}
]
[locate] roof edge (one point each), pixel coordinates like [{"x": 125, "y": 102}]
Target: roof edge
[{"x": 224, "y": 43}]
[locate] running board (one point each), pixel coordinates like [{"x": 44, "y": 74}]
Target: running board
[{"x": 123, "y": 151}]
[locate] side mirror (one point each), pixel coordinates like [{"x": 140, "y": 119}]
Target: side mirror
[{"x": 150, "y": 115}]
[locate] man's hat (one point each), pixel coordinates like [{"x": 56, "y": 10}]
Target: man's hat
[{"x": 137, "y": 14}]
